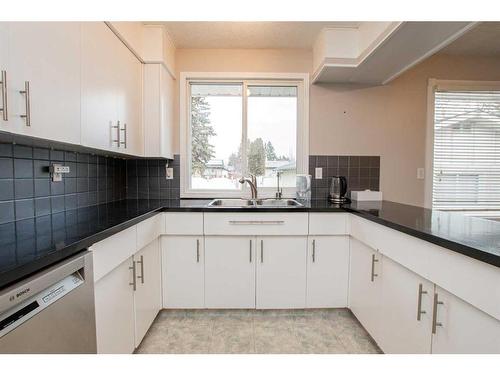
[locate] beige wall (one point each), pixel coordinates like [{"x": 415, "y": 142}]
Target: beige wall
[{"x": 389, "y": 121}]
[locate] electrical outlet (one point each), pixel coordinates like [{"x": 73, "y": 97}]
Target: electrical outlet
[
  {"x": 170, "y": 173},
  {"x": 420, "y": 173},
  {"x": 318, "y": 173}
]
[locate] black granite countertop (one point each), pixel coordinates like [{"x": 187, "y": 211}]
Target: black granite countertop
[{"x": 27, "y": 246}]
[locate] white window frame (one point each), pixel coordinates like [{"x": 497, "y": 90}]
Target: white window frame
[
  {"x": 302, "y": 158},
  {"x": 433, "y": 86}
]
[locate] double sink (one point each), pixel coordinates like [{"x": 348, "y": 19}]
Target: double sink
[{"x": 255, "y": 203}]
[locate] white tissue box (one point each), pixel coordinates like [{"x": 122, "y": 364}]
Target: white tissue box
[{"x": 366, "y": 195}]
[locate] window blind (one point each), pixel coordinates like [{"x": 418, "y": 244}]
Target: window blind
[{"x": 466, "y": 172}]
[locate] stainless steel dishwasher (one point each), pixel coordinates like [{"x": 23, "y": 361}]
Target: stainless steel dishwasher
[{"x": 51, "y": 311}]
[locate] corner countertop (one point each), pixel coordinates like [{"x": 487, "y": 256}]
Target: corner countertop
[{"x": 27, "y": 246}]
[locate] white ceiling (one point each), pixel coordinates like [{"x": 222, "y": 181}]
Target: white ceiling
[
  {"x": 482, "y": 40},
  {"x": 248, "y": 34}
]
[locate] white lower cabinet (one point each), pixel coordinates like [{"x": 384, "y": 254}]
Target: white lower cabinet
[
  {"x": 461, "y": 328},
  {"x": 229, "y": 272},
  {"x": 281, "y": 272},
  {"x": 147, "y": 296},
  {"x": 365, "y": 288},
  {"x": 183, "y": 271},
  {"x": 407, "y": 309},
  {"x": 327, "y": 271},
  {"x": 114, "y": 311}
]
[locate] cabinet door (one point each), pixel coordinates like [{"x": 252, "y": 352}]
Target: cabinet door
[
  {"x": 463, "y": 329},
  {"x": 229, "y": 272},
  {"x": 4, "y": 70},
  {"x": 281, "y": 272},
  {"x": 148, "y": 293},
  {"x": 167, "y": 94},
  {"x": 114, "y": 311},
  {"x": 327, "y": 271},
  {"x": 365, "y": 288},
  {"x": 48, "y": 56},
  {"x": 129, "y": 96},
  {"x": 407, "y": 308},
  {"x": 183, "y": 272},
  {"x": 99, "y": 86}
]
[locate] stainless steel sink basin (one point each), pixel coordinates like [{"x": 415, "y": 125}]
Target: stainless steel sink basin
[
  {"x": 231, "y": 203},
  {"x": 259, "y": 203},
  {"x": 281, "y": 203}
]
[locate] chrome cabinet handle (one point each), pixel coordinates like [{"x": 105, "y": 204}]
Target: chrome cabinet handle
[
  {"x": 117, "y": 140},
  {"x": 3, "y": 83},
  {"x": 124, "y": 130},
  {"x": 373, "y": 275},
  {"x": 419, "y": 302},
  {"x": 256, "y": 222},
  {"x": 134, "y": 276},
  {"x": 250, "y": 251},
  {"x": 141, "y": 262},
  {"x": 26, "y": 92},
  {"x": 435, "y": 323},
  {"x": 262, "y": 251},
  {"x": 314, "y": 251},
  {"x": 197, "y": 251}
]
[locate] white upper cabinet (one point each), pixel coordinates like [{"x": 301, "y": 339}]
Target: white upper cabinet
[
  {"x": 4, "y": 76},
  {"x": 99, "y": 87},
  {"x": 44, "y": 79},
  {"x": 111, "y": 92},
  {"x": 460, "y": 328},
  {"x": 129, "y": 96},
  {"x": 158, "y": 111}
]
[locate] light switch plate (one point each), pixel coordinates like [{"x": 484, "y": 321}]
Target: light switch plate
[
  {"x": 318, "y": 173},
  {"x": 170, "y": 173},
  {"x": 420, "y": 173}
]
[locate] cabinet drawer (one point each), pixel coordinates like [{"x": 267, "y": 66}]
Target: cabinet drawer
[
  {"x": 148, "y": 230},
  {"x": 113, "y": 251},
  {"x": 180, "y": 223},
  {"x": 328, "y": 224},
  {"x": 268, "y": 223}
]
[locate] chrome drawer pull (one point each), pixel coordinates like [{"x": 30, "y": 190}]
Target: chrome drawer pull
[
  {"x": 250, "y": 251},
  {"x": 117, "y": 140},
  {"x": 3, "y": 83},
  {"x": 435, "y": 323},
  {"x": 142, "y": 269},
  {"x": 256, "y": 222},
  {"x": 262, "y": 251},
  {"x": 134, "y": 276},
  {"x": 26, "y": 92},
  {"x": 197, "y": 251},
  {"x": 314, "y": 251},
  {"x": 419, "y": 302},
  {"x": 373, "y": 275}
]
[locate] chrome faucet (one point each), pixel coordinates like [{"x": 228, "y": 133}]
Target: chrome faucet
[
  {"x": 252, "y": 181},
  {"x": 279, "y": 191}
]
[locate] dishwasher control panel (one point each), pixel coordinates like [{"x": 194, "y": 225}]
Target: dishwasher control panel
[{"x": 32, "y": 306}]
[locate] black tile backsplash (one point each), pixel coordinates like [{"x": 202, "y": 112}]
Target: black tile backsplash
[
  {"x": 26, "y": 190},
  {"x": 146, "y": 179},
  {"x": 362, "y": 172}
]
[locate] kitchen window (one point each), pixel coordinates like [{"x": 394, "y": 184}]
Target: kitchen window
[
  {"x": 466, "y": 146},
  {"x": 234, "y": 127}
]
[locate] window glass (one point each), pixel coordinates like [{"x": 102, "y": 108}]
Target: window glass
[
  {"x": 216, "y": 134},
  {"x": 272, "y": 134}
]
